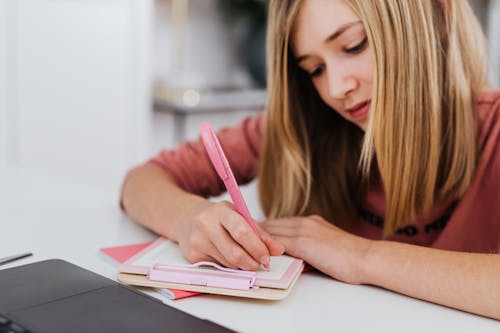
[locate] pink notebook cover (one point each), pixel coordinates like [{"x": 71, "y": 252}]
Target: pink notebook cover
[{"x": 124, "y": 252}]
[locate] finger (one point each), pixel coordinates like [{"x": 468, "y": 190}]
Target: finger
[
  {"x": 281, "y": 230},
  {"x": 275, "y": 248},
  {"x": 290, "y": 245},
  {"x": 232, "y": 252},
  {"x": 217, "y": 256},
  {"x": 243, "y": 234},
  {"x": 277, "y": 222},
  {"x": 210, "y": 253}
]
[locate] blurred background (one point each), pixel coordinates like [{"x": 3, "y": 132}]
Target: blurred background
[{"x": 89, "y": 88}]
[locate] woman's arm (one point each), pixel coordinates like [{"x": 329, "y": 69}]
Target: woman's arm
[
  {"x": 151, "y": 198},
  {"x": 203, "y": 229},
  {"x": 465, "y": 281}
]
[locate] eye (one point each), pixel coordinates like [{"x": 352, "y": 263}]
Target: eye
[
  {"x": 316, "y": 72},
  {"x": 358, "y": 48}
]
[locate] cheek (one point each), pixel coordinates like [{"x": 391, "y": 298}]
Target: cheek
[
  {"x": 322, "y": 88},
  {"x": 366, "y": 67},
  {"x": 361, "y": 69}
]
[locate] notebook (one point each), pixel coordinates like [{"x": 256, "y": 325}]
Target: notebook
[
  {"x": 122, "y": 253},
  {"x": 162, "y": 265}
]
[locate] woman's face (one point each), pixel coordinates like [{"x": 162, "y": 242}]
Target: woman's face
[{"x": 330, "y": 45}]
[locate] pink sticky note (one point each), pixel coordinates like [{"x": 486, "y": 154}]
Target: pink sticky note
[{"x": 124, "y": 252}]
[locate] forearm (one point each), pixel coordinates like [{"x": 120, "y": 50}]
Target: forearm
[
  {"x": 152, "y": 199},
  {"x": 465, "y": 281}
]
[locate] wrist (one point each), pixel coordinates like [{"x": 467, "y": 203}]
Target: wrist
[
  {"x": 365, "y": 258},
  {"x": 192, "y": 205}
]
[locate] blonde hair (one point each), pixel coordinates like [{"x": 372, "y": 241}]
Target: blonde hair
[{"x": 421, "y": 130}]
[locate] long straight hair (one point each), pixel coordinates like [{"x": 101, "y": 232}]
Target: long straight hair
[{"x": 430, "y": 65}]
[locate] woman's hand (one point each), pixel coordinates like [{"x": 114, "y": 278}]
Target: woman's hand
[
  {"x": 321, "y": 244},
  {"x": 215, "y": 231}
]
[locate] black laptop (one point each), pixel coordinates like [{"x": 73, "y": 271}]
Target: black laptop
[{"x": 54, "y": 296}]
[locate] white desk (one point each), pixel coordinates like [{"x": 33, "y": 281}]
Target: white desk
[{"x": 55, "y": 219}]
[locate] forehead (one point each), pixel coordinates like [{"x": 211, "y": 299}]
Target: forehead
[{"x": 318, "y": 19}]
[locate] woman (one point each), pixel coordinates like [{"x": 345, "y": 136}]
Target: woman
[{"x": 378, "y": 156}]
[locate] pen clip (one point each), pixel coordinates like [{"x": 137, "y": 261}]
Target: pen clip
[
  {"x": 205, "y": 263},
  {"x": 193, "y": 274}
]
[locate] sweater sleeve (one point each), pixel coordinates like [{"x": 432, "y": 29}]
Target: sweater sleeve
[
  {"x": 475, "y": 223},
  {"x": 191, "y": 169},
  {"x": 471, "y": 223}
]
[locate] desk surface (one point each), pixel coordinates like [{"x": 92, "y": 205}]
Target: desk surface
[{"x": 58, "y": 219}]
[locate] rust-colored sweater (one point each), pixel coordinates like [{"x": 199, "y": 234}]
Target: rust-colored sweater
[{"x": 471, "y": 223}]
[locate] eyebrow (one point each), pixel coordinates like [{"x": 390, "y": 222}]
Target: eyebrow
[{"x": 332, "y": 37}]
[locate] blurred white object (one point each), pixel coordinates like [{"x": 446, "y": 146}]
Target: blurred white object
[
  {"x": 195, "y": 59},
  {"x": 76, "y": 87},
  {"x": 193, "y": 48}
]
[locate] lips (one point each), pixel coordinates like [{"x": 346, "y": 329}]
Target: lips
[{"x": 359, "y": 110}]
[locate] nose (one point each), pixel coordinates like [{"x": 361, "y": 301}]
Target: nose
[{"x": 341, "y": 81}]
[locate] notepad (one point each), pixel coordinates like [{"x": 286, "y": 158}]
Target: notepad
[
  {"x": 162, "y": 265},
  {"x": 122, "y": 253}
]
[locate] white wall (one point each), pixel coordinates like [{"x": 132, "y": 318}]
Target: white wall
[
  {"x": 4, "y": 135},
  {"x": 209, "y": 57},
  {"x": 78, "y": 86},
  {"x": 494, "y": 41}
]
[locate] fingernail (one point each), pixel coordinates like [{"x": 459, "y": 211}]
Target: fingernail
[{"x": 265, "y": 261}]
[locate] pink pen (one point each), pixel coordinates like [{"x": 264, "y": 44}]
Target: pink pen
[{"x": 221, "y": 165}]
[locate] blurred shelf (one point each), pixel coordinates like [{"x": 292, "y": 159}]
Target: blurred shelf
[{"x": 191, "y": 101}]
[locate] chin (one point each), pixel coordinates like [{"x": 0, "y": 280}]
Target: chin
[{"x": 363, "y": 125}]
